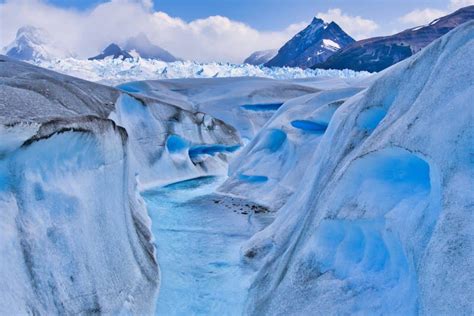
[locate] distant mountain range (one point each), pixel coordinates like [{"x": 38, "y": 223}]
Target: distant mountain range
[
  {"x": 260, "y": 57},
  {"x": 316, "y": 43},
  {"x": 33, "y": 43},
  {"x": 378, "y": 53},
  {"x": 138, "y": 46}
]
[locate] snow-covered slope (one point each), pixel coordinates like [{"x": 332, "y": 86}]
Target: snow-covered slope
[
  {"x": 116, "y": 71},
  {"x": 316, "y": 43},
  {"x": 260, "y": 57},
  {"x": 382, "y": 221},
  {"x": 33, "y": 43}
]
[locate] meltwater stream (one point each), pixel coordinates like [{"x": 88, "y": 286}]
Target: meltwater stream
[{"x": 198, "y": 235}]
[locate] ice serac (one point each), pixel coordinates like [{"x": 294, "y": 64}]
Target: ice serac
[
  {"x": 382, "y": 222},
  {"x": 377, "y": 53},
  {"x": 313, "y": 45}
]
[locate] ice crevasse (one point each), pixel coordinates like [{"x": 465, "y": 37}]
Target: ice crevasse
[{"x": 382, "y": 222}]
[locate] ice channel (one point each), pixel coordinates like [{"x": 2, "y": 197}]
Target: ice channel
[{"x": 198, "y": 237}]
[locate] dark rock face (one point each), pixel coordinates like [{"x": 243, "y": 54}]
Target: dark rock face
[
  {"x": 146, "y": 49},
  {"x": 314, "y": 44},
  {"x": 112, "y": 50},
  {"x": 378, "y": 53}
]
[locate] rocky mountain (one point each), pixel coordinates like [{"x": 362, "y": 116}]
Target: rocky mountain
[
  {"x": 146, "y": 49},
  {"x": 316, "y": 43},
  {"x": 114, "y": 51},
  {"x": 33, "y": 43},
  {"x": 378, "y": 53},
  {"x": 260, "y": 57}
]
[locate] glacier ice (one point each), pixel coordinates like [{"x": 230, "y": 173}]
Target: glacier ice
[
  {"x": 73, "y": 157},
  {"x": 279, "y": 151},
  {"x": 381, "y": 221},
  {"x": 115, "y": 71}
]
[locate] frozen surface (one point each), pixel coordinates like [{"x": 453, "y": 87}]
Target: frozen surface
[
  {"x": 116, "y": 71},
  {"x": 198, "y": 235},
  {"x": 272, "y": 165},
  {"x": 66, "y": 246},
  {"x": 382, "y": 221}
]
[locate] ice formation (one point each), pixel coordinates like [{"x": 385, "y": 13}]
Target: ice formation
[
  {"x": 271, "y": 166},
  {"x": 382, "y": 220},
  {"x": 115, "y": 71},
  {"x": 74, "y": 227}
]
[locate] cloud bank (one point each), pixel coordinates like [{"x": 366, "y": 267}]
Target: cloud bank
[
  {"x": 355, "y": 26},
  {"x": 215, "y": 38},
  {"x": 424, "y": 16}
]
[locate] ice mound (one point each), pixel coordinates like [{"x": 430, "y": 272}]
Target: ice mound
[
  {"x": 281, "y": 150},
  {"x": 382, "y": 219}
]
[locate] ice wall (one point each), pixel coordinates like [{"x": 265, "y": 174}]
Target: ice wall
[
  {"x": 382, "y": 222},
  {"x": 75, "y": 233}
]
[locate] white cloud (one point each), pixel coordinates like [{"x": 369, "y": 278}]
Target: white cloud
[
  {"x": 421, "y": 17},
  {"x": 456, "y": 4},
  {"x": 88, "y": 32},
  {"x": 425, "y": 16},
  {"x": 355, "y": 26}
]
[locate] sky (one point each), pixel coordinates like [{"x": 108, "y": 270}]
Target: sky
[{"x": 208, "y": 30}]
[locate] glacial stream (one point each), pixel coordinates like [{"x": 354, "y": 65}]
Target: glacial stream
[{"x": 198, "y": 235}]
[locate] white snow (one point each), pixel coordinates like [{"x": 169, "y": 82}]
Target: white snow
[{"x": 330, "y": 44}]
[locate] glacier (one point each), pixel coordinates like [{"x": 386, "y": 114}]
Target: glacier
[
  {"x": 116, "y": 71},
  {"x": 164, "y": 188}
]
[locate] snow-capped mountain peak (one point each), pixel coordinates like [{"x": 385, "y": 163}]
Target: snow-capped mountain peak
[
  {"x": 33, "y": 43},
  {"x": 114, "y": 51},
  {"x": 146, "y": 49},
  {"x": 316, "y": 43}
]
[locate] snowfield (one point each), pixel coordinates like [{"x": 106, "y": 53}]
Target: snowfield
[{"x": 115, "y": 71}]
